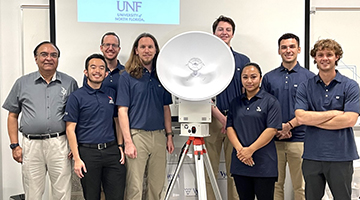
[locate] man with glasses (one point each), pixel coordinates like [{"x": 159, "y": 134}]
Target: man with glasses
[
  {"x": 110, "y": 47},
  {"x": 41, "y": 97}
]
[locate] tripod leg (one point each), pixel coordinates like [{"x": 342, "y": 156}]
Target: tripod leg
[
  {"x": 177, "y": 170},
  {"x": 211, "y": 175},
  {"x": 200, "y": 173}
]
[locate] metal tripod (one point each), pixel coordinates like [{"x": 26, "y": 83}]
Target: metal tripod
[{"x": 200, "y": 155}]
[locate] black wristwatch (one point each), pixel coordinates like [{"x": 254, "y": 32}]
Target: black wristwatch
[
  {"x": 172, "y": 134},
  {"x": 13, "y": 146}
]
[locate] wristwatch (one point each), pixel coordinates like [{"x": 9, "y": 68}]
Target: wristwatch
[
  {"x": 172, "y": 134},
  {"x": 13, "y": 146}
]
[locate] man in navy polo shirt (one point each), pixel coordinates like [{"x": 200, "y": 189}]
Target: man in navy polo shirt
[
  {"x": 98, "y": 154},
  {"x": 282, "y": 82},
  {"x": 145, "y": 120},
  {"x": 224, "y": 28},
  {"x": 329, "y": 105},
  {"x": 110, "y": 47}
]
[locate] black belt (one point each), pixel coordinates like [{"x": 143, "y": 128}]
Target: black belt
[
  {"x": 224, "y": 112},
  {"x": 98, "y": 146},
  {"x": 42, "y": 136}
]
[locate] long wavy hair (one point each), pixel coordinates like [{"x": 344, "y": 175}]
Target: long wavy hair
[{"x": 133, "y": 66}]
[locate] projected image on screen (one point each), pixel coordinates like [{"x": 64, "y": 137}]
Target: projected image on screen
[{"x": 134, "y": 12}]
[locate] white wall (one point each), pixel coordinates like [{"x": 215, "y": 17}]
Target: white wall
[
  {"x": 259, "y": 24},
  {"x": 10, "y": 70},
  {"x": 327, "y": 3}
]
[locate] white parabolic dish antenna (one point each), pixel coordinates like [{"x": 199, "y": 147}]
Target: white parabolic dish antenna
[{"x": 195, "y": 66}]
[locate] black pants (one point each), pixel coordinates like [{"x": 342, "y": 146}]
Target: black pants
[
  {"x": 249, "y": 187},
  {"x": 103, "y": 167},
  {"x": 337, "y": 174}
]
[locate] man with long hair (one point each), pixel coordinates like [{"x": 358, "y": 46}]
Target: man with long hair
[{"x": 145, "y": 120}]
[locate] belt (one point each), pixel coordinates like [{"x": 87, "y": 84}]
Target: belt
[
  {"x": 224, "y": 112},
  {"x": 43, "y": 136},
  {"x": 99, "y": 146}
]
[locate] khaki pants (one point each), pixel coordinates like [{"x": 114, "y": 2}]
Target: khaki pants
[
  {"x": 151, "y": 153},
  {"x": 51, "y": 156},
  {"x": 290, "y": 152},
  {"x": 214, "y": 144}
]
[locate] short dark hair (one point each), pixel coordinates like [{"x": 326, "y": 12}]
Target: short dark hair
[
  {"x": 289, "y": 36},
  {"x": 110, "y": 33},
  {"x": 46, "y": 42},
  {"x": 98, "y": 56},
  {"x": 257, "y": 66},
  {"x": 222, "y": 18}
]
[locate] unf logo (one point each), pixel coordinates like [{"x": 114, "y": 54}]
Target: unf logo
[{"x": 126, "y": 6}]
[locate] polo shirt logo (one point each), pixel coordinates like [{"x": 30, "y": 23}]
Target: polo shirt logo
[
  {"x": 63, "y": 91},
  {"x": 258, "y": 109},
  {"x": 111, "y": 101}
]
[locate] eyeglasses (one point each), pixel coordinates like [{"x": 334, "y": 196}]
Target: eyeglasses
[
  {"x": 107, "y": 45},
  {"x": 45, "y": 55}
]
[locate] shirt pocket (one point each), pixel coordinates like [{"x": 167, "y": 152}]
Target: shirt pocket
[
  {"x": 294, "y": 90},
  {"x": 337, "y": 102}
]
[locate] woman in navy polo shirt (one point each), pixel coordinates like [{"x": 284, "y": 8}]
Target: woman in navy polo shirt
[{"x": 252, "y": 123}]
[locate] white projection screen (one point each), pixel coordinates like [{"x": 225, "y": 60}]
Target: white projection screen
[
  {"x": 259, "y": 24},
  {"x": 132, "y": 12}
]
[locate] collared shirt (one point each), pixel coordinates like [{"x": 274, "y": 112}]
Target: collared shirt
[
  {"x": 93, "y": 111},
  {"x": 234, "y": 89},
  {"x": 112, "y": 79},
  {"x": 42, "y": 105},
  {"x": 283, "y": 84},
  {"x": 145, "y": 98},
  {"x": 250, "y": 118},
  {"x": 341, "y": 94}
]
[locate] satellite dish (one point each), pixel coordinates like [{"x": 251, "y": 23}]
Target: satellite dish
[{"x": 195, "y": 66}]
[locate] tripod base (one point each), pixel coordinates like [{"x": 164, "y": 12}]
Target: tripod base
[{"x": 201, "y": 159}]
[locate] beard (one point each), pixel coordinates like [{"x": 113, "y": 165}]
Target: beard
[{"x": 146, "y": 62}]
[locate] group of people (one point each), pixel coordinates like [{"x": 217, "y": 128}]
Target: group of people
[
  {"x": 118, "y": 124},
  {"x": 120, "y": 115}
]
